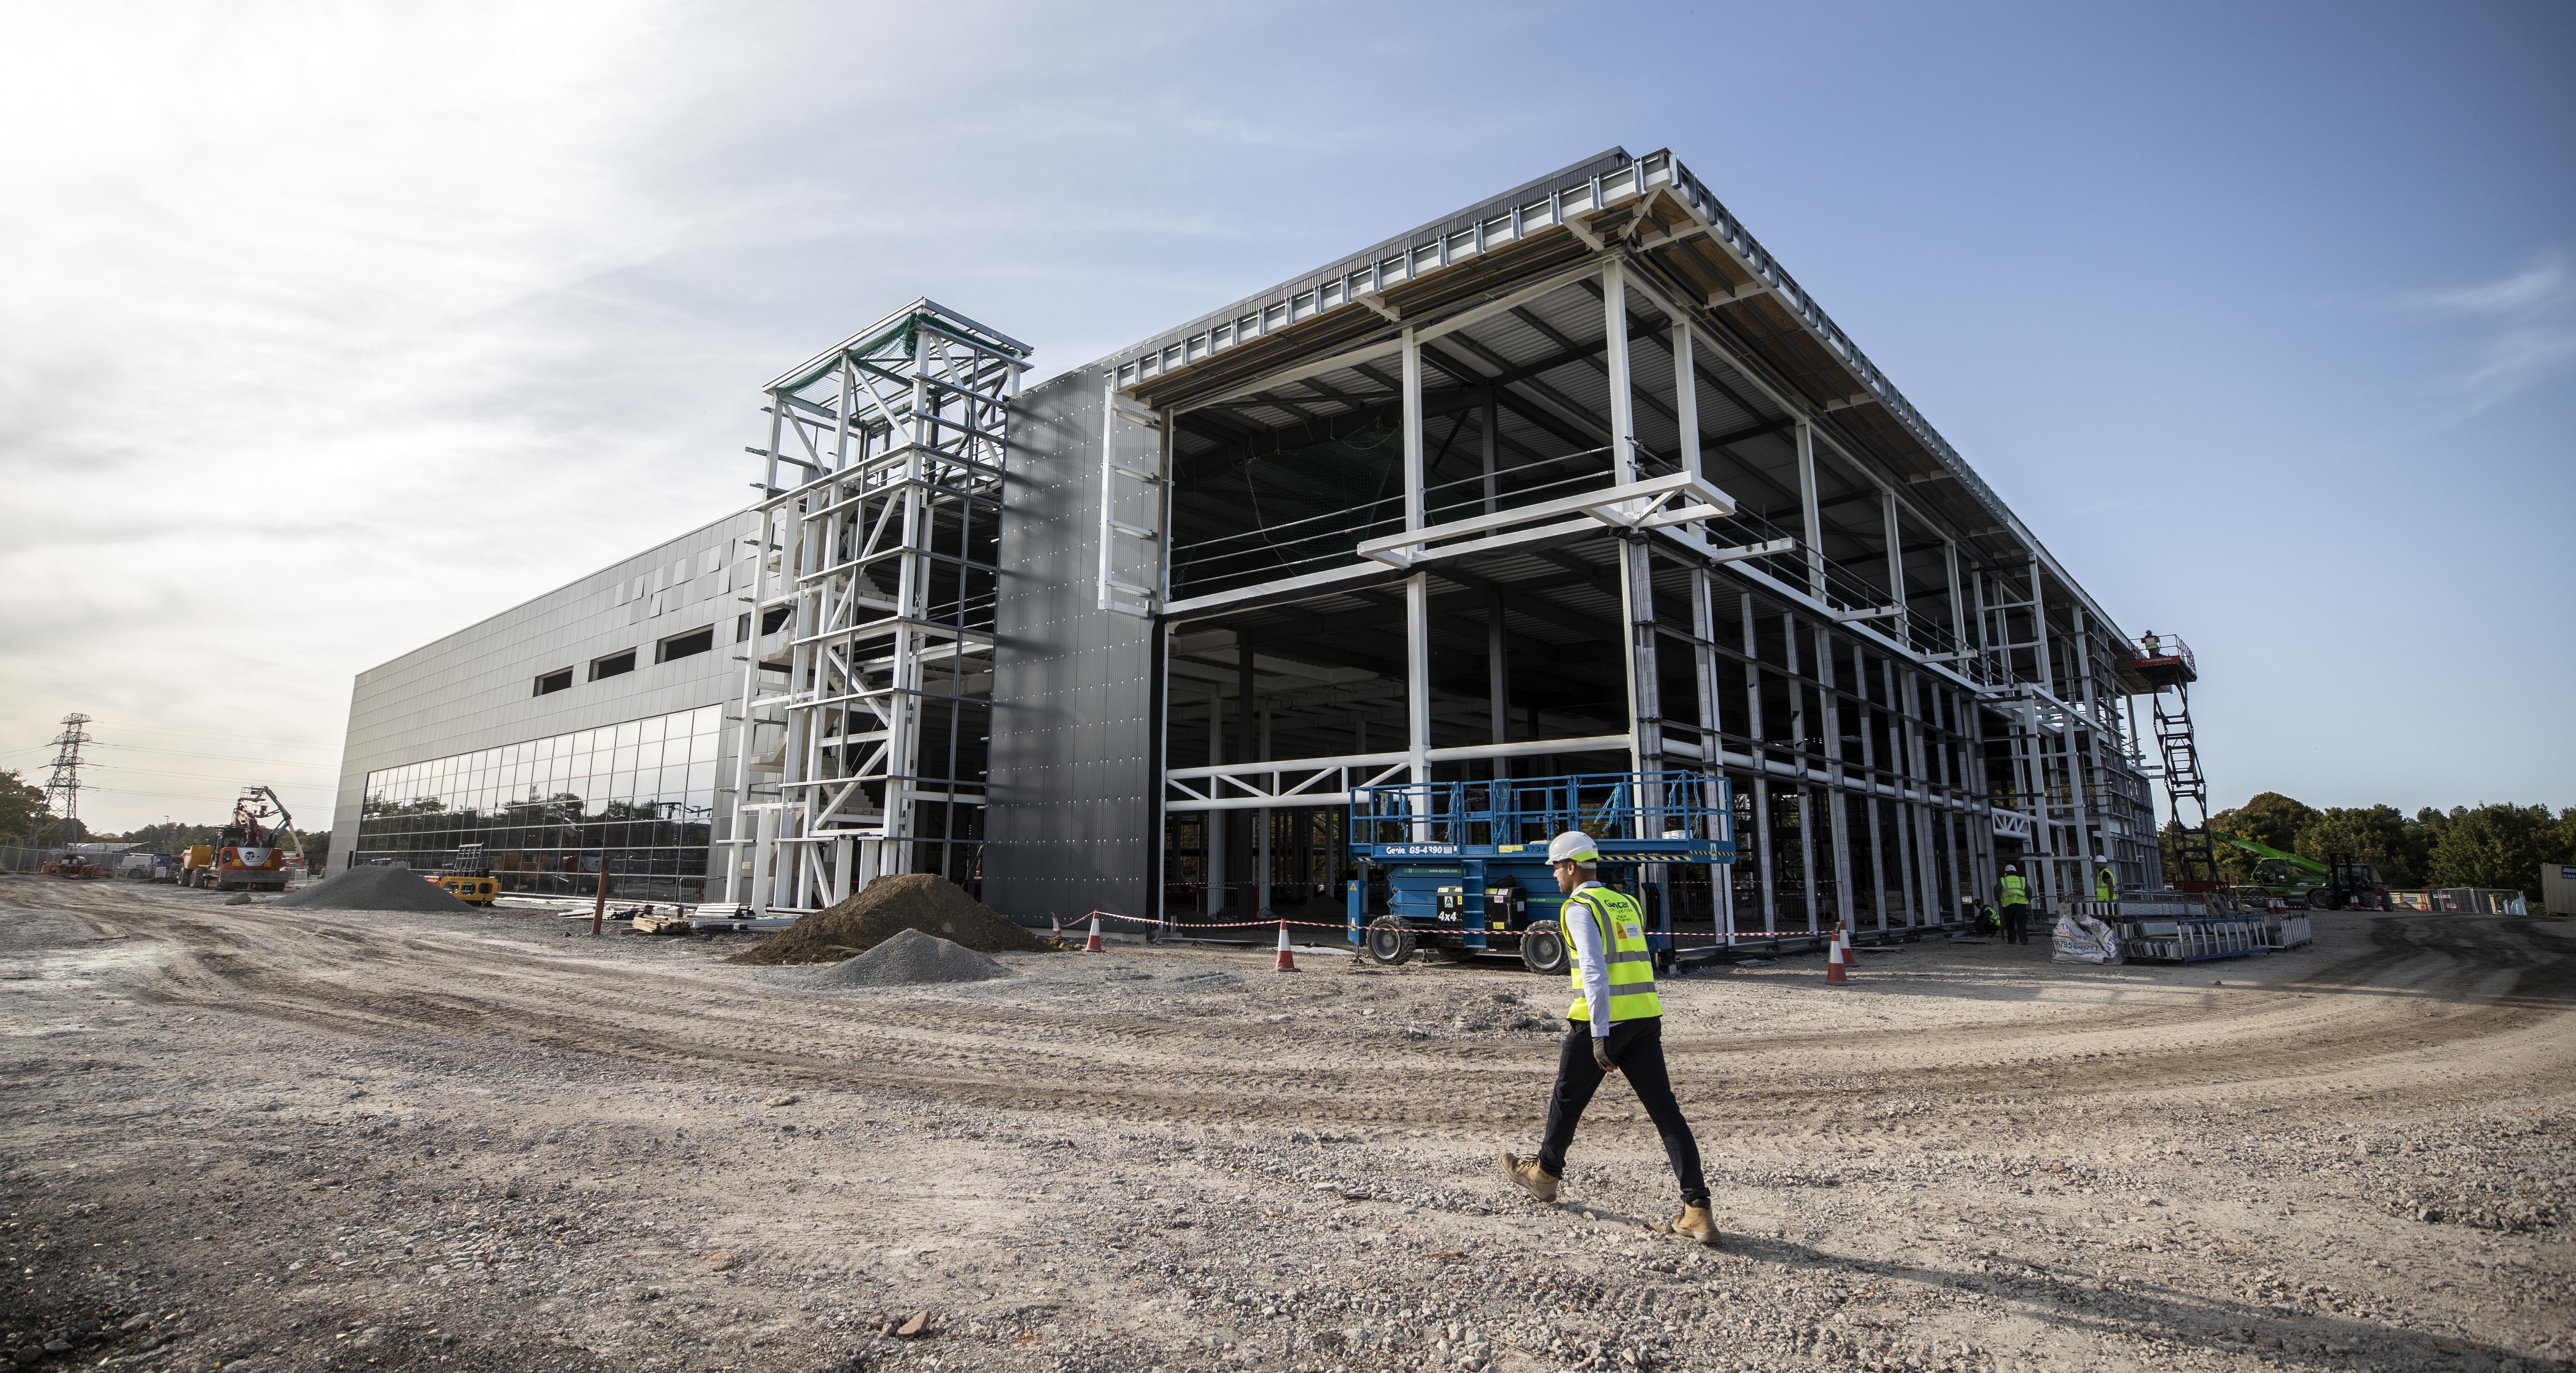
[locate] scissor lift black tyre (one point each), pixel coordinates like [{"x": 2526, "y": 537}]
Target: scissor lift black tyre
[
  {"x": 1390, "y": 942},
  {"x": 1543, "y": 948}
]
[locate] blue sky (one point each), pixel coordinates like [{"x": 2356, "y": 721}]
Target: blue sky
[{"x": 332, "y": 329}]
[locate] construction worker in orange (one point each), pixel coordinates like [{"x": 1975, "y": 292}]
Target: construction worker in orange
[{"x": 1616, "y": 1024}]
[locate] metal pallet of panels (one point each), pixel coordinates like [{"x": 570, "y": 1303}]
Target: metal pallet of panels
[{"x": 2195, "y": 940}]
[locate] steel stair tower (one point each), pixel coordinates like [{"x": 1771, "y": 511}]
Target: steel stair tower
[{"x": 866, "y": 707}]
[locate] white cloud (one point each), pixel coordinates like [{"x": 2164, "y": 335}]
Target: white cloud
[
  {"x": 2515, "y": 359},
  {"x": 332, "y": 328},
  {"x": 2525, "y": 331},
  {"x": 2537, "y": 285},
  {"x": 281, "y": 282}
]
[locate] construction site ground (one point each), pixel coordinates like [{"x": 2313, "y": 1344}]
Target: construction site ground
[{"x": 260, "y": 1138}]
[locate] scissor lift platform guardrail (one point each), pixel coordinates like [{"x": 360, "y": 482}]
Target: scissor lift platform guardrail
[{"x": 1463, "y": 866}]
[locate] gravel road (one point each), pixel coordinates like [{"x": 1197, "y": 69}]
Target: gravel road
[{"x": 265, "y": 1138}]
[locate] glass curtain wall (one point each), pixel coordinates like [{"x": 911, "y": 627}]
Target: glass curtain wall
[{"x": 640, "y": 794}]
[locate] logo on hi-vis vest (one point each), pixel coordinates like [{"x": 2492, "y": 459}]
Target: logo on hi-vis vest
[{"x": 1629, "y": 927}]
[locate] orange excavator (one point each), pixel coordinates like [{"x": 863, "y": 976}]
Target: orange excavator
[{"x": 247, "y": 855}]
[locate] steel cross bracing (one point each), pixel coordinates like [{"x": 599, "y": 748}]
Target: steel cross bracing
[
  {"x": 1910, "y": 818},
  {"x": 2074, "y": 778},
  {"x": 867, "y": 688}
]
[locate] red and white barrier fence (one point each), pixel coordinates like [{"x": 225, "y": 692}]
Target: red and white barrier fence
[{"x": 1182, "y": 929}]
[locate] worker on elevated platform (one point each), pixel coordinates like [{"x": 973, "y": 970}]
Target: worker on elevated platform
[
  {"x": 2015, "y": 894},
  {"x": 2106, "y": 884},
  {"x": 1616, "y": 1022},
  {"x": 2148, "y": 643}
]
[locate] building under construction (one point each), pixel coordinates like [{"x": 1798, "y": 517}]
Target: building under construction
[{"x": 1576, "y": 482}]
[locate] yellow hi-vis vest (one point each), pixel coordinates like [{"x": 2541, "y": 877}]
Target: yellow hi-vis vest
[
  {"x": 2106, "y": 886},
  {"x": 2016, "y": 891},
  {"x": 1632, "y": 964}
]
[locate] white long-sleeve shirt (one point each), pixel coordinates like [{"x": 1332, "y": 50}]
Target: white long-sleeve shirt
[{"x": 1591, "y": 960}]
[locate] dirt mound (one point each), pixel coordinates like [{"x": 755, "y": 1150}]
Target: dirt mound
[
  {"x": 374, "y": 889},
  {"x": 909, "y": 958},
  {"x": 887, "y": 906}
]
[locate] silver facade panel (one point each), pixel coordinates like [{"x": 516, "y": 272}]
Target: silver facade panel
[
  {"x": 476, "y": 688},
  {"x": 1070, "y": 825}
]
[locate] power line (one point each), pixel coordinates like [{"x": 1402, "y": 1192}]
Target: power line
[
  {"x": 165, "y": 772},
  {"x": 202, "y": 734},
  {"x": 164, "y": 795},
  {"x": 224, "y": 757}
]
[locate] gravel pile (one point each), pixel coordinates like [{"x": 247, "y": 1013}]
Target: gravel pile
[
  {"x": 374, "y": 889},
  {"x": 908, "y": 959},
  {"x": 889, "y": 905}
]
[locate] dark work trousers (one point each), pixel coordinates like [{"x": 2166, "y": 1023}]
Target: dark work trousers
[
  {"x": 2016, "y": 924},
  {"x": 1637, "y": 1046}
]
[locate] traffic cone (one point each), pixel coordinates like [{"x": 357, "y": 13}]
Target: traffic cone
[
  {"x": 1287, "y": 960},
  {"x": 1092, "y": 945},
  {"x": 1835, "y": 958}
]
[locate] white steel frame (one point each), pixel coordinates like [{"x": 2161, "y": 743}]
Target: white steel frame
[
  {"x": 880, "y": 552},
  {"x": 1949, "y": 817}
]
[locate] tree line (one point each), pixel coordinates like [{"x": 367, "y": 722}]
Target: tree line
[
  {"x": 2498, "y": 845},
  {"x": 23, "y": 813}
]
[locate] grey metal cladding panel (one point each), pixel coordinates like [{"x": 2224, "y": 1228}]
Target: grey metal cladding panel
[
  {"x": 474, "y": 688},
  {"x": 1069, "y": 823}
]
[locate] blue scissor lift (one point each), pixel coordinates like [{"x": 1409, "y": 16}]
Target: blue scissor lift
[{"x": 1462, "y": 866}]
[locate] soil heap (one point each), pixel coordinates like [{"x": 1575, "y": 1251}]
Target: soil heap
[
  {"x": 909, "y": 958},
  {"x": 374, "y": 889},
  {"x": 887, "y": 906}
]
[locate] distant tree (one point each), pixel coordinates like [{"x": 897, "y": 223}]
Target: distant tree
[
  {"x": 2362, "y": 834},
  {"x": 55, "y": 830},
  {"x": 317, "y": 848},
  {"x": 2270, "y": 819},
  {"x": 2169, "y": 845},
  {"x": 20, "y": 803},
  {"x": 170, "y": 836},
  {"x": 2420, "y": 832},
  {"x": 2495, "y": 845}
]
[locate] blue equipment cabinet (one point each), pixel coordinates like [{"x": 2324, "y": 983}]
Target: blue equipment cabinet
[{"x": 1462, "y": 866}]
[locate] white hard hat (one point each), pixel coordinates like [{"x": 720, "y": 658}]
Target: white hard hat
[
  {"x": 1572, "y": 845},
  {"x": 2012, "y": 867}
]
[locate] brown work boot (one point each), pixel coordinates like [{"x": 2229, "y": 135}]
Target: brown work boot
[
  {"x": 1537, "y": 1181},
  {"x": 1696, "y": 1225}
]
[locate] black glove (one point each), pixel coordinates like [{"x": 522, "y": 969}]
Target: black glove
[{"x": 1601, "y": 1054}]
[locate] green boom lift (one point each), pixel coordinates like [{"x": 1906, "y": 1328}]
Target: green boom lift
[{"x": 2330, "y": 886}]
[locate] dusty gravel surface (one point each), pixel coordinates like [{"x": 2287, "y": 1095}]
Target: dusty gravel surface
[{"x": 268, "y": 1138}]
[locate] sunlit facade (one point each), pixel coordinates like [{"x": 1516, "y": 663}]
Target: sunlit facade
[
  {"x": 587, "y": 724},
  {"x": 543, "y": 814}
]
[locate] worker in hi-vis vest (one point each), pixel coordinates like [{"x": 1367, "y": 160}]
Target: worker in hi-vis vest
[
  {"x": 2106, "y": 884},
  {"x": 1616, "y": 1022},
  {"x": 2015, "y": 895}
]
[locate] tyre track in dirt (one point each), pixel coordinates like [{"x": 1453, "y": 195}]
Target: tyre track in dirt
[
  {"x": 472, "y": 988},
  {"x": 1969, "y": 1145}
]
